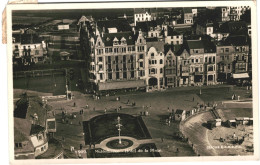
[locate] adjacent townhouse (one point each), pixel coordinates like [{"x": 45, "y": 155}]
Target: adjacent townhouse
[
  {"x": 155, "y": 66},
  {"x": 197, "y": 63},
  {"x": 173, "y": 37}
]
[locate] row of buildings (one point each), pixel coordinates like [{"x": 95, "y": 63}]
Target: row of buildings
[
  {"x": 156, "y": 54},
  {"x": 152, "y": 49}
]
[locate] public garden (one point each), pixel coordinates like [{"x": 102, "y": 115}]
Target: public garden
[{"x": 157, "y": 107}]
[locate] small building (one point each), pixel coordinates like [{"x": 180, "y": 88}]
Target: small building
[
  {"x": 188, "y": 16},
  {"x": 141, "y": 15},
  {"x": 250, "y": 121},
  {"x": 63, "y": 26},
  {"x": 180, "y": 115},
  {"x": 239, "y": 120},
  {"x": 231, "y": 123},
  {"x": 218, "y": 122}
]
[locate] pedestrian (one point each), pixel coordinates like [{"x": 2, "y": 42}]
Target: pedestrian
[
  {"x": 193, "y": 98},
  {"x": 162, "y": 139},
  {"x": 71, "y": 148},
  {"x": 80, "y": 146},
  {"x": 168, "y": 109},
  {"x": 94, "y": 109},
  {"x": 177, "y": 150},
  {"x": 74, "y": 104},
  {"x": 87, "y": 106},
  {"x": 63, "y": 138},
  {"x": 105, "y": 110},
  {"x": 128, "y": 102}
]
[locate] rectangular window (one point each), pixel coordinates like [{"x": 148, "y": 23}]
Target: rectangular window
[
  {"x": 100, "y": 67},
  {"x": 115, "y": 50},
  {"x": 141, "y": 64},
  {"x": 227, "y": 50},
  {"x": 117, "y": 75},
  {"x": 141, "y": 56},
  {"x": 40, "y": 137},
  {"x": 99, "y": 59},
  {"x": 124, "y": 75},
  {"x": 110, "y": 76},
  {"x": 132, "y": 74}
]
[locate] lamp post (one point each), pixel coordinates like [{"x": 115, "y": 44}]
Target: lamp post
[
  {"x": 119, "y": 129},
  {"x": 200, "y": 86}
]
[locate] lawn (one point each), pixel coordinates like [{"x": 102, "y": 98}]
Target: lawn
[
  {"x": 50, "y": 84},
  {"x": 104, "y": 126},
  {"x": 231, "y": 114}
]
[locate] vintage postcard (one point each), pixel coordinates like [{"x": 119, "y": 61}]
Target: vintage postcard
[{"x": 150, "y": 81}]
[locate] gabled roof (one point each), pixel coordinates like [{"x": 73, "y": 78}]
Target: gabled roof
[
  {"x": 172, "y": 32},
  {"x": 173, "y": 48},
  {"x": 35, "y": 129},
  {"x": 109, "y": 37},
  {"x": 27, "y": 107},
  {"x": 22, "y": 128},
  {"x": 145, "y": 26},
  {"x": 195, "y": 44},
  {"x": 237, "y": 40},
  {"x": 158, "y": 45}
]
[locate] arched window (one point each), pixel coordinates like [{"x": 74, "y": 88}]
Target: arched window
[{"x": 161, "y": 61}]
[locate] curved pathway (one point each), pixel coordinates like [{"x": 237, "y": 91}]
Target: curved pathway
[
  {"x": 198, "y": 135},
  {"x": 136, "y": 143}
]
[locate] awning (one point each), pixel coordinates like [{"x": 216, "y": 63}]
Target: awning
[
  {"x": 121, "y": 85},
  {"x": 240, "y": 75}
]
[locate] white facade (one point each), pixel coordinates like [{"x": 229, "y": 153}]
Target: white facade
[
  {"x": 37, "y": 51},
  {"x": 154, "y": 69},
  {"x": 233, "y": 13},
  {"x": 142, "y": 17},
  {"x": 174, "y": 40},
  {"x": 40, "y": 143}
]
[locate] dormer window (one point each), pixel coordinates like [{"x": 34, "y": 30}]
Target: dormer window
[
  {"x": 123, "y": 41},
  {"x": 108, "y": 39},
  {"x": 115, "y": 41}
]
